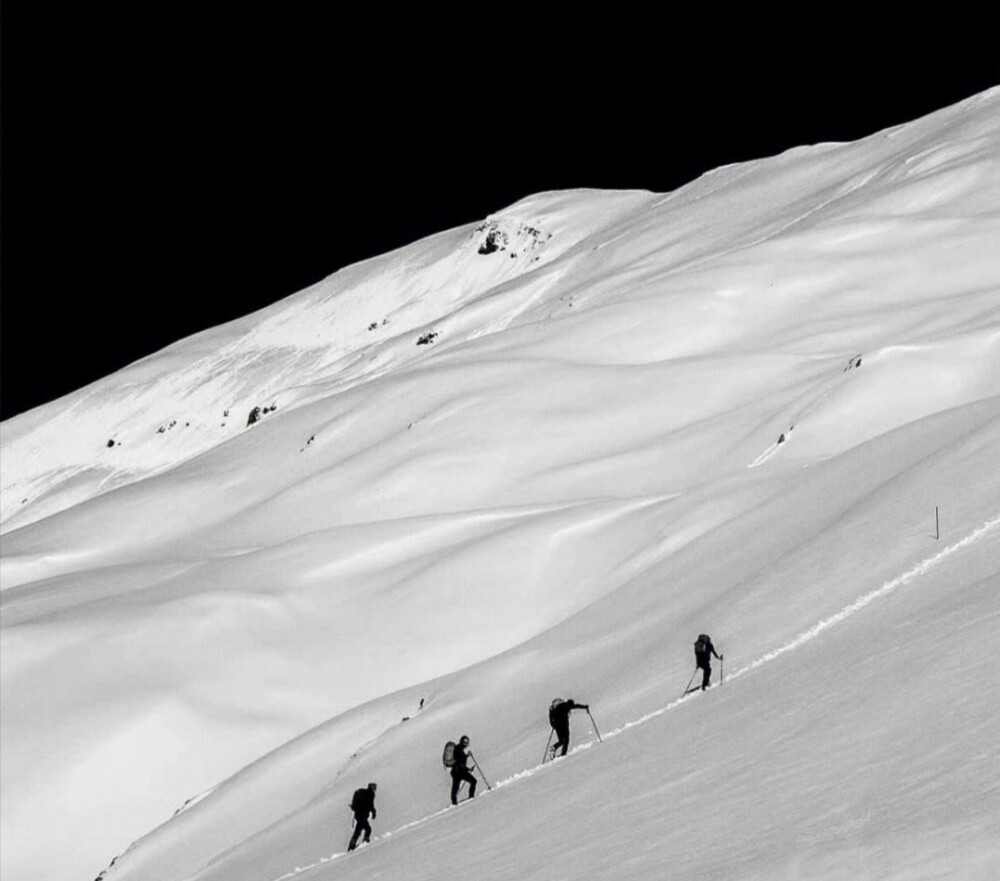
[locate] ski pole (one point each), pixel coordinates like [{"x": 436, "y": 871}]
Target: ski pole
[
  {"x": 549, "y": 741},
  {"x": 592, "y": 722},
  {"x": 688, "y": 686},
  {"x": 480, "y": 770},
  {"x": 722, "y": 669}
]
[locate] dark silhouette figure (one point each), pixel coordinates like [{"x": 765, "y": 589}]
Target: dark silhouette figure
[
  {"x": 559, "y": 712},
  {"x": 460, "y": 772},
  {"x": 703, "y": 651},
  {"x": 362, "y": 804}
]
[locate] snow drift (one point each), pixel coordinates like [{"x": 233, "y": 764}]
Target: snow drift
[{"x": 537, "y": 455}]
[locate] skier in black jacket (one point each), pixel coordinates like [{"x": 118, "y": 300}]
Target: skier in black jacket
[
  {"x": 703, "y": 651},
  {"x": 362, "y": 804},
  {"x": 460, "y": 772},
  {"x": 559, "y": 712}
]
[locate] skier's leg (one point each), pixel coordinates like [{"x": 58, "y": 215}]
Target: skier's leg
[
  {"x": 472, "y": 783},
  {"x": 707, "y": 675},
  {"x": 368, "y": 830},
  {"x": 564, "y": 740},
  {"x": 456, "y": 782},
  {"x": 355, "y": 836}
]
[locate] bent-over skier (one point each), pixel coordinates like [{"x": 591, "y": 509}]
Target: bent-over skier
[
  {"x": 703, "y": 651},
  {"x": 362, "y": 804},
  {"x": 559, "y": 711},
  {"x": 460, "y": 772}
]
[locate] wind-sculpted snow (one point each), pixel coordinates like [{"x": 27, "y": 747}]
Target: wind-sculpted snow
[{"x": 533, "y": 455}]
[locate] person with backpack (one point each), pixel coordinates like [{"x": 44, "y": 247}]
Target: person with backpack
[
  {"x": 460, "y": 772},
  {"x": 362, "y": 804},
  {"x": 559, "y": 711},
  {"x": 703, "y": 651}
]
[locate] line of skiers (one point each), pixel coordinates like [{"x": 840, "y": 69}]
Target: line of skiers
[{"x": 457, "y": 756}]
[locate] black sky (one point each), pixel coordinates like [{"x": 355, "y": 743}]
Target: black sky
[{"x": 164, "y": 170}]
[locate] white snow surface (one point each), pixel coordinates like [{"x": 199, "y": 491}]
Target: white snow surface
[{"x": 732, "y": 408}]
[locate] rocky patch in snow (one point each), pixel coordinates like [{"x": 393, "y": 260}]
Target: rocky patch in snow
[
  {"x": 257, "y": 412},
  {"x": 504, "y": 234}
]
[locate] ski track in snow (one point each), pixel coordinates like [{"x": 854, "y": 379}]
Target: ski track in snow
[{"x": 804, "y": 637}]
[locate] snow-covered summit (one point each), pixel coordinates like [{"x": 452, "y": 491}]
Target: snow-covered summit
[
  {"x": 350, "y": 328},
  {"x": 536, "y": 454}
]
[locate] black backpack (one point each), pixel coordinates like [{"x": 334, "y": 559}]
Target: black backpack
[
  {"x": 361, "y": 800},
  {"x": 558, "y": 702}
]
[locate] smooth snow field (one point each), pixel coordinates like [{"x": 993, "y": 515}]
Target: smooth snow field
[{"x": 536, "y": 456}]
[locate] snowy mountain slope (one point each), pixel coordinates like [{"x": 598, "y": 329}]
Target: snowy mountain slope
[
  {"x": 733, "y": 407},
  {"x": 358, "y": 323},
  {"x": 629, "y": 655}
]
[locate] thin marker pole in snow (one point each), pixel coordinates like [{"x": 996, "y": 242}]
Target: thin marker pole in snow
[{"x": 937, "y": 524}]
